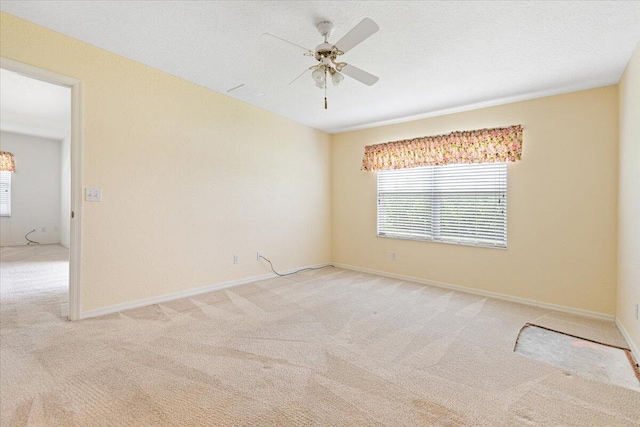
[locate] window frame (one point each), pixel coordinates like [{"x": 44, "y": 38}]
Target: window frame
[
  {"x": 5, "y": 180},
  {"x": 432, "y": 229}
]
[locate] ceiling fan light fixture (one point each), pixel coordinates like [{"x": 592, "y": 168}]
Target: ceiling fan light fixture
[
  {"x": 337, "y": 78},
  {"x": 320, "y": 84},
  {"x": 318, "y": 75}
]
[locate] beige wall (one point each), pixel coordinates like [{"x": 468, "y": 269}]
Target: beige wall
[
  {"x": 189, "y": 177},
  {"x": 629, "y": 200},
  {"x": 561, "y": 205}
]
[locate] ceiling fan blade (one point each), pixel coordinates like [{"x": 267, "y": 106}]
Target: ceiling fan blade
[
  {"x": 359, "y": 74},
  {"x": 287, "y": 41},
  {"x": 365, "y": 29},
  {"x": 303, "y": 73}
]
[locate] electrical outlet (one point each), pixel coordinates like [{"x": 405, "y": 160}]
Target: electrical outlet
[
  {"x": 393, "y": 256},
  {"x": 236, "y": 259},
  {"x": 636, "y": 312},
  {"x": 258, "y": 256}
]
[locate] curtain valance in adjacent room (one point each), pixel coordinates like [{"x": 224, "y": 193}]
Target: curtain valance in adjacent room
[
  {"x": 7, "y": 162},
  {"x": 477, "y": 146}
]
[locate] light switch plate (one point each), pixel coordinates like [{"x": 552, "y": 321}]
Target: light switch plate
[{"x": 93, "y": 194}]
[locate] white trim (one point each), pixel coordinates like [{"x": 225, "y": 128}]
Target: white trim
[
  {"x": 630, "y": 343},
  {"x": 183, "y": 294},
  {"x": 75, "y": 238},
  {"x": 75, "y": 303},
  {"x": 526, "y": 301}
]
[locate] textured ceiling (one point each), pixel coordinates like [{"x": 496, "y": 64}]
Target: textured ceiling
[{"x": 431, "y": 57}]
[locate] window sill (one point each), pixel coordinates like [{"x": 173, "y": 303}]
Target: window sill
[{"x": 417, "y": 239}]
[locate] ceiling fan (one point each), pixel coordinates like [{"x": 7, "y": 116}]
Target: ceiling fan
[{"x": 326, "y": 55}]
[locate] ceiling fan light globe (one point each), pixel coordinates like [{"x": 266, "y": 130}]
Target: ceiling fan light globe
[
  {"x": 318, "y": 75},
  {"x": 320, "y": 84},
  {"x": 337, "y": 78}
]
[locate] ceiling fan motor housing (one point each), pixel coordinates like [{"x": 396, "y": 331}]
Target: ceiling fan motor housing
[{"x": 324, "y": 48}]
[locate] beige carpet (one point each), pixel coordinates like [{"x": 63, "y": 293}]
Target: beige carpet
[
  {"x": 34, "y": 284},
  {"x": 331, "y": 347}
]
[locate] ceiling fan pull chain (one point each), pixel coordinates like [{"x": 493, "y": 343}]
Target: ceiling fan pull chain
[{"x": 325, "y": 88}]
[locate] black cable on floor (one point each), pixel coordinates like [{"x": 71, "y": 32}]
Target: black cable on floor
[
  {"x": 297, "y": 271},
  {"x": 29, "y": 240}
]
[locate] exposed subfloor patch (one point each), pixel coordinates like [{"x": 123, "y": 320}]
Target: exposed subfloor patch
[{"x": 593, "y": 360}]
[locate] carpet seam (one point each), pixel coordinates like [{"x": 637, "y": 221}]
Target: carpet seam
[{"x": 573, "y": 336}]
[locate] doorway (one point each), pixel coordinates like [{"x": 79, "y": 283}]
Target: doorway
[{"x": 68, "y": 231}]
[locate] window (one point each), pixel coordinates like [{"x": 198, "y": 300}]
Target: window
[
  {"x": 458, "y": 203},
  {"x": 5, "y": 193}
]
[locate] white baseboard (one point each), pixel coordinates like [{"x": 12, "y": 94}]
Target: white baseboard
[
  {"x": 182, "y": 294},
  {"x": 562, "y": 308},
  {"x": 215, "y": 287},
  {"x": 632, "y": 345}
]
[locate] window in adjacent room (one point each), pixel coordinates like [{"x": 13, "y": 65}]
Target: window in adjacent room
[
  {"x": 455, "y": 203},
  {"x": 5, "y": 193}
]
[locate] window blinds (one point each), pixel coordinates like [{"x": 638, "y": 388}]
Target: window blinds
[
  {"x": 457, "y": 203},
  {"x": 5, "y": 193}
]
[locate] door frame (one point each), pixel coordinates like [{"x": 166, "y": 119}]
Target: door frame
[{"x": 75, "y": 238}]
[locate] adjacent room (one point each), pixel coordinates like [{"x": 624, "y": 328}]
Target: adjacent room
[
  {"x": 35, "y": 124},
  {"x": 319, "y": 213}
]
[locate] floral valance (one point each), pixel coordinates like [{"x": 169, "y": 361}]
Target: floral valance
[
  {"x": 477, "y": 146},
  {"x": 7, "y": 163}
]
